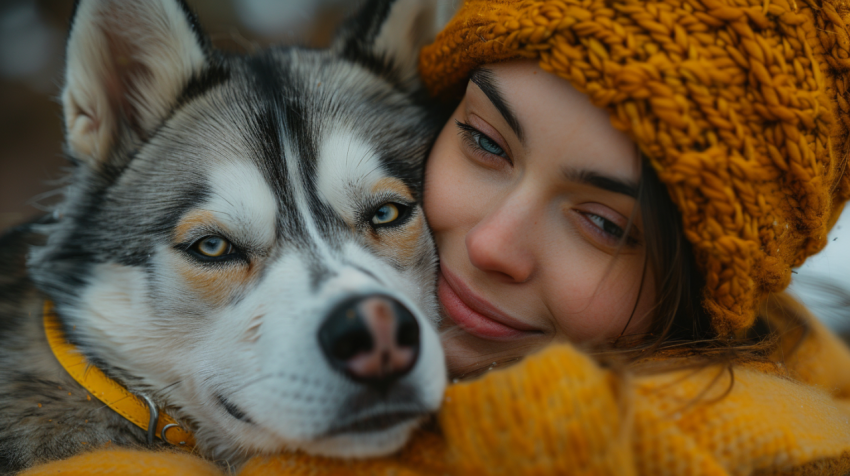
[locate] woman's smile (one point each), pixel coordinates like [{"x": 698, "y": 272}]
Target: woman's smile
[{"x": 477, "y": 316}]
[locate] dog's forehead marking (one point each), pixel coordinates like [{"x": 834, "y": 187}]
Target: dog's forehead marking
[
  {"x": 348, "y": 165},
  {"x": 394, "y": 185},
  {"x": 192, "y": 221},
  {"x": 242, "y": 201},
  {"x": 296, "y": 159}
]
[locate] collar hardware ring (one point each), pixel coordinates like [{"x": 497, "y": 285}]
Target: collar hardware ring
[
  {"x": 165, "y": 429},
  {"x": 153, "y": 421}
]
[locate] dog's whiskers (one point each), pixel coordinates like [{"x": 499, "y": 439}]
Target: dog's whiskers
[
  {"x": 170, "y": 387},
  {"x": 255, "y": 381}
]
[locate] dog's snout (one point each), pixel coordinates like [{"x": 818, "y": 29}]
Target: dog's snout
[{"x": 372, "y": 339}]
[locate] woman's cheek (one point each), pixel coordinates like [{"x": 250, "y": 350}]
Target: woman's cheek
[
  {"x": 595, "y": 297},
  {"x": 446, "y": 191}
]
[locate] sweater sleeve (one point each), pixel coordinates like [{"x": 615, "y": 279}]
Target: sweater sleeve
[
  {"x": 556, "y": 412},
  {"x": 737, "y": 421},
  {"x": 559, "y": 412}
]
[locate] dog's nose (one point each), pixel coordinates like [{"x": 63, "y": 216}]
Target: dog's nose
[{"x": 372, "y": 339}]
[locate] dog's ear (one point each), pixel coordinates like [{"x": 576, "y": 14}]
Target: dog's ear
[
  {"x": 127, "y": 63},
  {"x": 392, "y": 32}
]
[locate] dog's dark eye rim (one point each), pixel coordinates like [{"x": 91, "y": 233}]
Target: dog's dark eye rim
[
  {"x": 192, "y": 248},
  {"x": 404, "y": 213}
]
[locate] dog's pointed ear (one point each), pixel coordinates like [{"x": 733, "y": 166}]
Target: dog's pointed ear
[
  {"x": 127, "y": 63},
  {"x": 393, "y": 31}
]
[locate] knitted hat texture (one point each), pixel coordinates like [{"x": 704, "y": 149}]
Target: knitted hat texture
[{"x": 740, "y": 105}]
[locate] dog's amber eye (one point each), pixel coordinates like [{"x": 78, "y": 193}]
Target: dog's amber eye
[
  {"x": 214, "y": 246},
  {"x": 388, "y": 213}
]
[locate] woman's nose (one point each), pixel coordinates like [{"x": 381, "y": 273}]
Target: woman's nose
[{"x": 499, "y": 243}]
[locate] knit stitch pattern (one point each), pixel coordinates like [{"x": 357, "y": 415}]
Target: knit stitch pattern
[{"x": 740, "y": 105}]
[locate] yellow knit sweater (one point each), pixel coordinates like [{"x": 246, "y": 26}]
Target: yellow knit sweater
[{"x": 559, "y": 412}]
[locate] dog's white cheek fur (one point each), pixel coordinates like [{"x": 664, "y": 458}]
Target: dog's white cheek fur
[
  {"x": 166, "y": 352},
  {"x": 207, "y": 356}
]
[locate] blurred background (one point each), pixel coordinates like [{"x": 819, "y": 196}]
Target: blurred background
[
  {"x": 32, "y": 38},
  {"x": 32, "y": 35}
]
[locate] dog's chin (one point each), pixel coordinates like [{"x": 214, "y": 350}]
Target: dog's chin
[{"x": 364, "y": 444}]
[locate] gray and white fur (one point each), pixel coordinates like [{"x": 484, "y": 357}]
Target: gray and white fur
[{"x": 286, "y": 154}]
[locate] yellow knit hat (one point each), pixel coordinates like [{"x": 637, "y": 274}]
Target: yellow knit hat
[{"x": 740, "y": 105}]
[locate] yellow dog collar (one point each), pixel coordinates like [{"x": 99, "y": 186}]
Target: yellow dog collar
[{"x": 141, "y": 411}]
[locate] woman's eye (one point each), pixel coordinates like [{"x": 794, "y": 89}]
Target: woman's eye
[
  {"x": 489, "y": 145},
  {"x": 605, "y": 225},
  {"x": 213, "y": 247},
  {"x": 481, "y": 143},
  {"x": 388, "y": 213}
]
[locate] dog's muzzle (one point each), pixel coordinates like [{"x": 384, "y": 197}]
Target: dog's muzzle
[{"x": 373, "y": 340}]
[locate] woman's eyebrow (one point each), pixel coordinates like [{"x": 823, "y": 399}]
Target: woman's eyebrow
[
  {"x": 485, "y": 80},
  {"x": 595, "y": 179}
]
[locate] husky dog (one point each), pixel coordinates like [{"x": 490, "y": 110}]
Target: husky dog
[{"x": 241, "y": 242}]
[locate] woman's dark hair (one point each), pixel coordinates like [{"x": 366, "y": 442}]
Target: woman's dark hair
[
  {"x": 678, "y": 282},
  {"x": 678, "y": 316}
]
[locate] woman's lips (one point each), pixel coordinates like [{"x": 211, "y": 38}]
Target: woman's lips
[{"x": 475, "y": 315}]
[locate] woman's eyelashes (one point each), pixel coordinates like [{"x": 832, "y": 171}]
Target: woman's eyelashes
[
  {"x": 607, "y": 231},
  {"x": 481, "y": 145}
]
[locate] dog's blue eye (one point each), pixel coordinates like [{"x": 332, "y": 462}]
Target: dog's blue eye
[
  {"x": 388, "y": 213},
  {"x": 214, "y": 246}
]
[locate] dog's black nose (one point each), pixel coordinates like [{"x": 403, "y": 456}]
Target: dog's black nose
[{"x": 372, "y": 339}]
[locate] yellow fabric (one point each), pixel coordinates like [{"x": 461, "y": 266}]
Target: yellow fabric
[
  {"x": 559, "y": 412},
  {"x": 741, "y": 106},
  {"x": 820, "y": 358},
  {"x": 108, "y": 391},
  {"x": 125, "y": 462}
]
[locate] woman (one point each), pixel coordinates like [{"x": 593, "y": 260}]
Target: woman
[
  {"x": 640, "y": 177},
  {"x": 535, "y": 202}
]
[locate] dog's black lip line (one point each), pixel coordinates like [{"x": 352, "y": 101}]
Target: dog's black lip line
[
  {"x": 233, "y": 410},
  {"x": 373, "y": 423}
]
